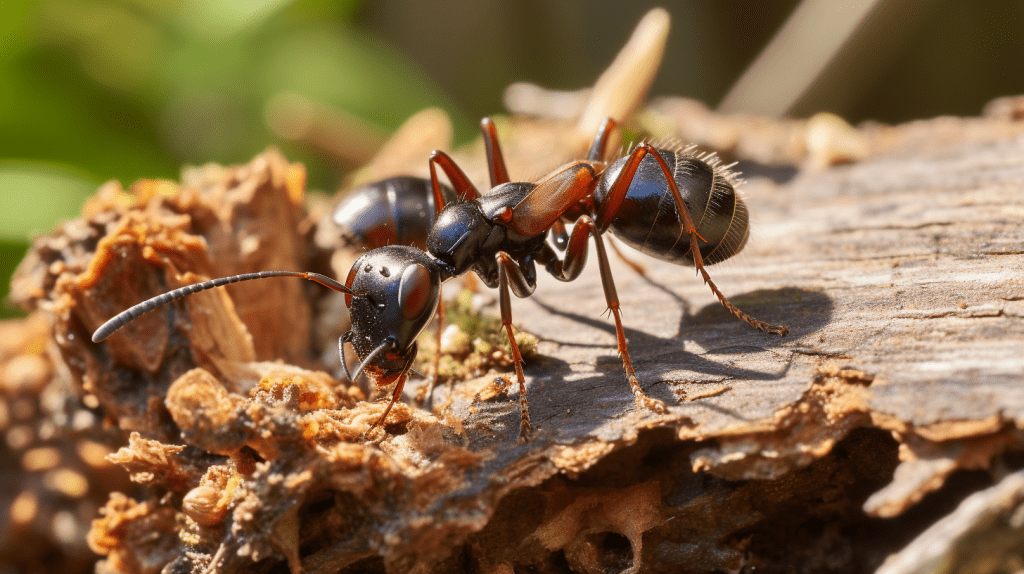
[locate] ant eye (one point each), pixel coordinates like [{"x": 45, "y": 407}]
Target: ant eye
[{"x": 417, "y": 292}]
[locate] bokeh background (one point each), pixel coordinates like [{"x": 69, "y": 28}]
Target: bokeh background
[{"x": 94, "y": 90}]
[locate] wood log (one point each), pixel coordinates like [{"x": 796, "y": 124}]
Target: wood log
[{"x": 895, "y": 394}]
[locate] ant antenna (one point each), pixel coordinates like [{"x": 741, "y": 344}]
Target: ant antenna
[{"x": 127, "y": 316}]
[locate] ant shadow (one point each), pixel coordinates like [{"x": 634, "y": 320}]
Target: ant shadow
[
  {"x": 714, "y": 328},
  {"x": 803, "y": 311},
  {"x": 779, "y": 174},
  {"x": 605, "y": 393},
  {"x": 566, "y": 403}
]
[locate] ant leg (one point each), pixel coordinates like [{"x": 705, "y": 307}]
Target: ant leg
[
  {"x": 617, "y": 193},
  {"x": 388, "y": 343},
  {"x": 495, "y": 161},
  {"x": 426, "y": 391},
  {"x": 618, "y": 189},
  {"x": 613, "y": 306},
  {"x": 558, "y": 234},
  {"x": 636, "y": 267},
  {"x": 561, "y": 240},
  {"x": 570, "y": 268},
  {"x": 597, "y": 150},
  {"x": 394, "y": 399},
  {"x": 698, "y": 261},
  {"x": 571, "y": 265},
  {"x": 507, "y": 269},
  {"x": 464, "y": 188}
]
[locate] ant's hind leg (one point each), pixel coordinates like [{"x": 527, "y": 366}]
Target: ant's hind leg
[
  {"x": 597, "y": 148},
  {"x": 613, "y": 201},
  {"x": 698, "y": 261}
]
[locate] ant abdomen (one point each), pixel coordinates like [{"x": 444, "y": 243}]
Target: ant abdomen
[
  {"x": 395, "y": 211},
  {"x": 647, "y": 219}
]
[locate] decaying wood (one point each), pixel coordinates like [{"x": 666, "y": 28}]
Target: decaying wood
[
  {"x": 899, "y": 280},
  {"x": 982, "y": 535}
]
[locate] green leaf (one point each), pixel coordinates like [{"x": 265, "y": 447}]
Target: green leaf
[{"x": 35, "y": 196}]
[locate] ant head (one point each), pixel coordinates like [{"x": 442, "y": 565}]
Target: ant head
[{"x": 395, "y": 293}]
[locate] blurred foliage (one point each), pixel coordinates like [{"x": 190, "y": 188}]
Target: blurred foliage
[{"x": 94, "y": 90}]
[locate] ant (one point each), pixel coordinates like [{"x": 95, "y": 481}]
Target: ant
[
  {"x": 394, "y": 290},
  {"x": 395, "y": 211}
]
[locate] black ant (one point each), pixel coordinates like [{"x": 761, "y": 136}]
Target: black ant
[
  {"x": 394, "y": 211},
  {"x": 393, "y": 291}
]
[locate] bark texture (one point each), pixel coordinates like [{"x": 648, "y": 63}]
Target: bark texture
[{"x": 896, "y": 393}]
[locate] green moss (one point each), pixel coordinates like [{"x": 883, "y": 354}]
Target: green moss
[{"x": 489, "y": 348}]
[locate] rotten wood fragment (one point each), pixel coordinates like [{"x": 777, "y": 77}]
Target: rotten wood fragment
[
  {"x": 984, "y": 534},
  {"x": 899, "y": 371},
  {"x": 897, "y": 279}
]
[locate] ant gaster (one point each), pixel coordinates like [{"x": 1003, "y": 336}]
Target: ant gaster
[
  {"x": 394, "y": 211},
  {"x": 650, "y": 198}
]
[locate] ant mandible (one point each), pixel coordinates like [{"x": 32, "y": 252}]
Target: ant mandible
[{"x": 393, "y": 291}]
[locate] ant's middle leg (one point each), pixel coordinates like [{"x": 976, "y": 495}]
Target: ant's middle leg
[
  {"x": 570, "y": 267},
  {"x": 508, "y": 270}
]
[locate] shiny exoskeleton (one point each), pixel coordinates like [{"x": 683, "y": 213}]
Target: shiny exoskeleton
[
  {"x": 663, "y": 202},
  {"x": 394, "y": 211}
]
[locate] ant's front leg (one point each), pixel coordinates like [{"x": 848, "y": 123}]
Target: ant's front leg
[
  {"x": 426, "y": 392},
  {"x": 464, "y": 189},
  {"x": 509, "y": 270},
  {"x": 397, "y": 394},
  {"x": 570, "y": 267}
]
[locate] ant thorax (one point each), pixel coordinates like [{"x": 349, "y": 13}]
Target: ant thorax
[
  {"x": 465, "y": 239},
  {"x": 456, "y": 237}
]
